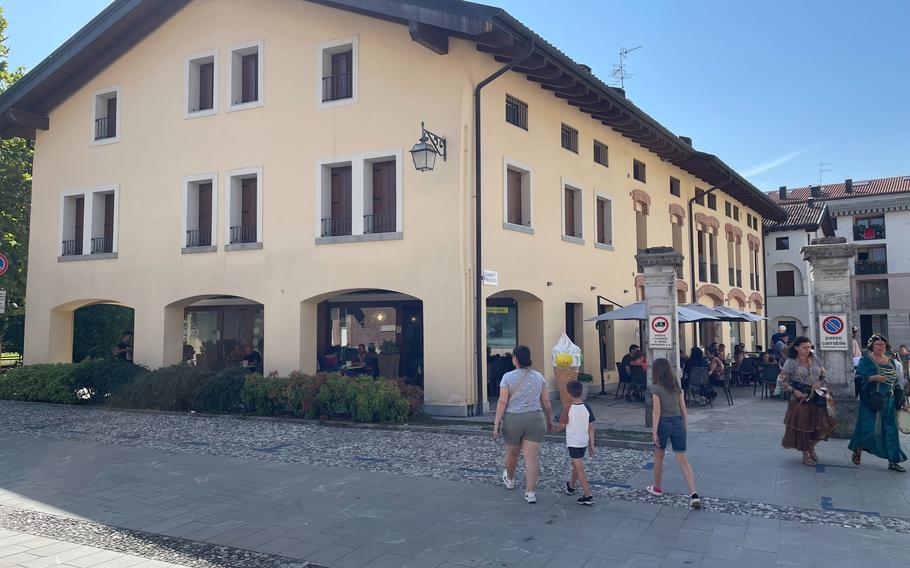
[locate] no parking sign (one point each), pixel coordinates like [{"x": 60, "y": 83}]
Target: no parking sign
[
  {"x": 659, "y": 332},
  {"x": 833, "y": 332}
]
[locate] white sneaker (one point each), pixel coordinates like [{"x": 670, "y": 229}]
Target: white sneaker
[
  {"x": 531, "y": 497},
  {"x": 510, "y": 483}
]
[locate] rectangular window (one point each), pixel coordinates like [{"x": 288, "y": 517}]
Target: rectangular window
[
  {"x": 872, "y": 294},
  {"x": 379, "y": 203},
  {"x": 201, "y": 84},
  {"x": 728, "y": 209},
  {"x": 516, "y": 112},
  {"x": 105, "y": 116},
  {"x": 199, "y": 208},
  {"x": 702, "y": 261},
  {"x": 731, "y": 264},
  {"x": 569, "y": 138},
  {"x": 89, "y": 222},
  {"x": 712, "y": 244},
  {"x": 712, "y": 201},
  {"x": 73, "y": 225},
  {"x": 735, "y": 213},
  {"x": 739, "y": 266},
  {"x": 518, "y": 197},
  {"x": 246, "y": 75},
  {"x": 601, "y": 154},
  {"x": 872, "y": 260},
  {"x": 749, "y": 220},
  {"x": 674, "y": 187},
  {"x": 338, "y": 222},
  {"x": 572, "y": 212},
  {"x": 337, "y": 75},
  {"x": 678, "y": 245},
  {"x": 782, "y": 243},
  {"x": 641, "y": 231},
  {"x": 834, "y": 223},
  {"x": 757, "y": 273},
  {"x": 604, "y": 221},
  {"x": 785, "y": 283},
  {"x": 638, "y": 171},
  {"x": 102, "y": 228},
  {"x": 868, "y": 228},
  {"x": 243, "y": 210},
  {"x": 699, "y": 196}
]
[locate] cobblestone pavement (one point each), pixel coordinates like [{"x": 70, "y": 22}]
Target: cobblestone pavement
[{"x": 202, "y": 491}]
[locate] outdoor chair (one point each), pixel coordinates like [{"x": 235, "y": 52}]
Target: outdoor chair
[
  {"x": 728, "y": 379},
  {"x": 638, "y": 380},
  {"x": 769, "y": 374},
  {"x": 698, "y": 377},
  {"x": 746, "y": 371},
  {"x": 623, "y": 381}
]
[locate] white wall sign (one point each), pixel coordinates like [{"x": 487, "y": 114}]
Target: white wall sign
[
  {"x": 659, "y": 332},
  {"x": 832, "y": 332},
  {"x": 2, "y": 301},
  {"x": 491, "y": 278}
]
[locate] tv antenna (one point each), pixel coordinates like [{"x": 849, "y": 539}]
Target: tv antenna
[
  {"x": 619, "y": 70},
  {"x": 823, "y": 170}
]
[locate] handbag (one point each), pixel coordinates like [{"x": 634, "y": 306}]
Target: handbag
[
  {"x": 903, "y": 421},
  {"x": 872, "y": 399}
]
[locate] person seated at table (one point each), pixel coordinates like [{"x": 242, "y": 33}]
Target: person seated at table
[
  {"x": 696, "y": 359},
  {"x": 235, "y": 356},
  {"x": 717, "y": 366},
  {"x": 361, "y": 351},
  {"x": 637, "y": 359},
  {"x": 371, "y": 361},
  {"x": 252, "y": 360},
  {"x": 627, "y": 358},
  {"x": 739, "y": 353}
]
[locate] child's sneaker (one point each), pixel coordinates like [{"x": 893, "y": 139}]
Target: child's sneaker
[
  {"x": 589, "y": 500},
  {"x": 510, "y": 483},
  {"x": 655, "y": 490},
  {"x": 694, "y": 501},
  {"x": 569, "y": 489},
  {"x": 531, "y": 497}
]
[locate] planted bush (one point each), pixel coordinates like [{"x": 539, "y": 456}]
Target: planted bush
[
  {"x": 265, "y": 396},
  {"x": 363, "y": 399},
  {"x": 167, "y": 388},
  {"x": 221, "y": 392},
  {"x": 96, "y": 379},
  {"x": 40, "y": 383}
]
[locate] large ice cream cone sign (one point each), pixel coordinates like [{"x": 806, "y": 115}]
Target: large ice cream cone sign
[
  {"x": 567, "y": 360},
  {"x": 563, "y": 376}
]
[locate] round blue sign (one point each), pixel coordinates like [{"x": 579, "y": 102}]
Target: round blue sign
[
  {"x": 833, "y": 325},
  {"x": 4, "y": 264}
]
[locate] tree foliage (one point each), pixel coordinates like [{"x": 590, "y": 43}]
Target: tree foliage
[{"x": 15, "y": 197}]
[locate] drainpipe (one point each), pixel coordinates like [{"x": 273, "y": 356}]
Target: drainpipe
[
  {"x": 479, "y": 353},
  {"x": 693, "y": 251}
]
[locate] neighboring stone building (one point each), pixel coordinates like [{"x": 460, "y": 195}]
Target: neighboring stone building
[
  {"x": 238, "y": 173},
  {"x": 873, "y": 214},
  {"x": 789, "y": 300}
]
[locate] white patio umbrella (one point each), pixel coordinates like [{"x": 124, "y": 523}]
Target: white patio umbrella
[{"x": 637, "y": 312}]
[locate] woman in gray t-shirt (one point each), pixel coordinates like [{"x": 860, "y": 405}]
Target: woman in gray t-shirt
[{"x": 525, "y": 415}]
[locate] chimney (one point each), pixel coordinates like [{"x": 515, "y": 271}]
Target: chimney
[
  {"x": 816, "y": 190},
  {"x": 782, "y": 192},
  {"x": 811, "y": 203},
  {"x": 585, "y": 67},
  {"x": 620, "y": 90},
  {"x": 686, "y": 139},
  {"x": 848, "y": 185}
]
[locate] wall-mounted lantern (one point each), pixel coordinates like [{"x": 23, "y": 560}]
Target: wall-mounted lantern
[{"x": 425, "y": 151}]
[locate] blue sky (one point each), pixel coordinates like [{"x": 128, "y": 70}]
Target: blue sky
[{"x": 772, "y": 87}]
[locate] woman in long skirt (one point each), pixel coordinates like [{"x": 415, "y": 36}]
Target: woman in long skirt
[{"x": 807, "y": 420}]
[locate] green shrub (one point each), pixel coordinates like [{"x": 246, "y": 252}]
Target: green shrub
[
  {"x": 265, "y": 396},
  {"x": 585, "y": 378},
  {"x": 96, "y": 379},
  {"x": 167, "y": 388},
  {"x": 362, "y": 399},
  {"x": 302, "y": 392},
  {"x": 222, "y": 392},
  {"x": 40, "y": 383}
]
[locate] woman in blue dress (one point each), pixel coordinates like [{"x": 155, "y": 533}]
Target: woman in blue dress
[{"x": 880, "y": 397}]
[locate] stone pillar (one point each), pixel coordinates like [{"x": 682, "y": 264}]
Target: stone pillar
[
  {"x": 659, "y": 267},
  {"x": 829, "y": 285}
]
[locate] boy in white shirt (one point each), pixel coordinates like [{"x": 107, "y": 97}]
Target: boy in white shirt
[{"x": 578, "y": 422}]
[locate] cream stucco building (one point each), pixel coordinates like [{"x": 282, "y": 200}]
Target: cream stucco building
[{"x": 239, "y": 173}]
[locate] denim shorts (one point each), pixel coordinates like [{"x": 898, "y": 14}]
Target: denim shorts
[{"x": 671, "y": 429}]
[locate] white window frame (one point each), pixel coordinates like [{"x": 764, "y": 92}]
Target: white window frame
[
  {"x": 187, "y": 181},
  {"x": 188, "y": 78},
  {"x": 94, "y": 115},
  {"x": 598, "y": 195},
  {"x": 579, "y": 211},
  {"x": 358, "y": 163},
  {"x": 229, "y": 84},
  {"x": 354, "y": 42},
  {"x": 228, "y": 190},
  {"x": 88, "y": 219},
  {"x": 527, "y": 195}
]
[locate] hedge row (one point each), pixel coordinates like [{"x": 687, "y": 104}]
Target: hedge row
[{"x": 187, "y": 388}]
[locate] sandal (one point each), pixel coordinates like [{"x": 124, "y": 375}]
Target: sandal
[
  {"x": 896, "y": 467},
  {"x": 813, "y": 455},
  {"x": 807, "y": 459},
  {"x": 857, "y": 457}
]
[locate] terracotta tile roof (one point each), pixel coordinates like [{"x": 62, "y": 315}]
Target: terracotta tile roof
[{"x": 861, "y": 188}]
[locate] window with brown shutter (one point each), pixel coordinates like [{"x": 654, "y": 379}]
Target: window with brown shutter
[
  {"x": 205, "y": 214},
  {"x": 340, "y": 221},
  {"x": 249, "y": 78},
  {"x": 111, "y": 117},
  {"x": 79, "y": 225},
  {"x": 383, "y": 218},
  {"x": 514, "y": 198},
  {"x": 248, "y": 212},
  {"x": 601, "y": 221},
  {"x": 570, "y": 212},
  {"x": 785, "y": 283},
  {"x": 206, "y": 86}
]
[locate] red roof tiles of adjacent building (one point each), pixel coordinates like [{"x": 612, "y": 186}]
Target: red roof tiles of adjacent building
[
  {"x": 799, "y": 215},
  {"x": 828, "y": 191}
]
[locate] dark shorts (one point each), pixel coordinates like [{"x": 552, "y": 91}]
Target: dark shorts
[
  {"x": 576, "y": 453},
  {"x": 671, "y": 429}
]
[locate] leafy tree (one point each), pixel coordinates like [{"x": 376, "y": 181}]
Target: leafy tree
[{"x": 15, "y": 202}]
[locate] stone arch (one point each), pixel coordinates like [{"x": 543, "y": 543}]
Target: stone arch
[
  {"x": 738, "y": 295},
  {"x": 710, "y": 291},
  {"x": 708, "y": 222},
  {"x": 798, "y": 288},
  {"x": 754, "y": 242},
  {"x": 639, "y": 280},
  {"x": 642, "y": 199},
  {"x": 733, "y": 233},
  {"x": 678, "y": 213},
  {"x": 61, "y": 333},
  {"x": 530, "y": 329},
  {"x": 682, "y": 285},
  {"x": 756, "y": 300}
]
